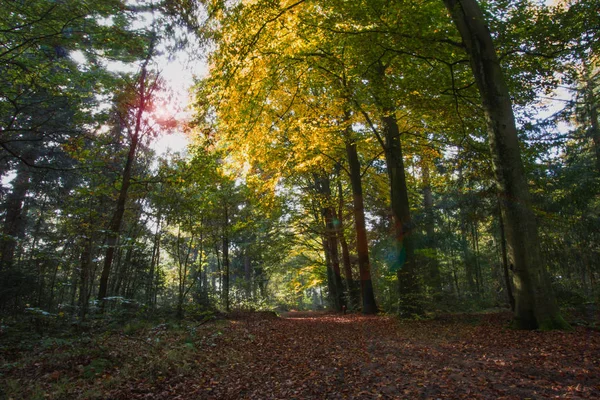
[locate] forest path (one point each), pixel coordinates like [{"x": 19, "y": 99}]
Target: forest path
[{"x": 317, "y": 356}]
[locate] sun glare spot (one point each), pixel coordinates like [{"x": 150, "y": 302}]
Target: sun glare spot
[{"x": 174, "y": 143}]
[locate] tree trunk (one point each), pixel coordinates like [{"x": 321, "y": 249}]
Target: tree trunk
[
  {"x": 507, "y": 280},
  {"x": 14, "y": 219},
  {"x": 154, "y": 263},
  {"x": 592, "y": 104},
  {"x": 323, "y": 186},
  {"x": 478, "y": 278},
  {"x": 535, "y": 306},
  {"x": 114, "y": 226},
  {"x": 248, "y": 273},
  {"x": 369, "y": 305},
  {"x": 435, "y": 280},
  {"x": 84, "y": 280},
  {"x": 410, "y": 301},
  {"x": 331, "y": 289},
  {"x": 226, "y": 262},
  {"x": 351, "y": 284}
]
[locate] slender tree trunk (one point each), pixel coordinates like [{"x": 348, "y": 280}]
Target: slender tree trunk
[
  {"x": 248, "y": 273},
  {"x": 219, "y": 270},
  {"x": 478, "y": 278},
  {"x": 154, "y": 262},
  {"x": 84, "y": 279},
  {"x": 507, "y": 280},
  {"x": 143, "y": 96},
  {"x": 114, "y": 226},
  {"x": 226, "y": 261},
  {"x": 15, "y": 218},
  {"x": 434, "y": 267},
  {"x": 331, "y": 289},
  {"x": 536, "y": 305},
  {"x": 410, "y": 300},
  {"x": 369, "y": 305}
]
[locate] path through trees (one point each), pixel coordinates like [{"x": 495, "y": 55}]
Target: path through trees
[{"x": 318, "y": 356}]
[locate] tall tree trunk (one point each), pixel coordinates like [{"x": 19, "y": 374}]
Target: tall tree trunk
[
  {"x": 154, "y": 262},
  {"x": 226, "y": 261},
  {"x": 591, "y": 102},
  {"x": 14, "y": 219},
  {"x": 248, "y": 273},
  {"x": 435, "y": 280},
  {"x": 351, "y": 285},
  {"x": 84, "y": 279},
  {"x": 369, "y": 305},
  {"x": 331, "y": 289},
  {"x": 410, "y": 300},
  {"x": 116, "y": 221},
  {"x": 536, "y": 305},
  {"x": 478, "y": 278},
  {"x": 323, "y": 184},
  {"x": 507, "y": 280}
]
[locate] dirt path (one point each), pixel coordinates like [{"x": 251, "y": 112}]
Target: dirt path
[{"x": 309, "y": 356}]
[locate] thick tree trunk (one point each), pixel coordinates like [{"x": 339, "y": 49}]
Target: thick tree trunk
[
  {"x": 351, "y": 285},
  {"x": 335, "y": 260},
  {"x": 369, "y": 305},
  {"x": 535, "y": 306},
  {"x": 410, "y": 301},
  {"x": 592, "y": 104},
  {"x": 323, "y": 184}
]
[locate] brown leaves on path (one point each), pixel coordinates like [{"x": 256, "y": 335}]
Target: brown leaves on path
[
  {"x": 312, "y": 356},
  {"x": 320, "y": 356}
]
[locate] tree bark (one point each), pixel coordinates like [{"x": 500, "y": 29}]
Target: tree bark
[
  {"x": 507, "y": 280},
  {"x": 84, "y": 278},
  {"x": 15, "y": 219},
  {"x": 535, "y": 307},
  {"x": 351, "y": 285},
  {"x": 369, "y": 305},
  {"x": 410, "y": 300},
  {"x": 435, "y": 280},
  {"x": 116, "y": 221},
  {"x": 226, "y": 261},
  {"x": 592, "y": 105},
  {"x": 154, "y": 263},
  {"x": 323, "y": 184}
]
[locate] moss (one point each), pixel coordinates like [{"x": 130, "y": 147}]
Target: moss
[{"x": 555, "y": 323}]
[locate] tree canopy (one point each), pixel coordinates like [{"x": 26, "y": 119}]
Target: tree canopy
[{"x": 368, "y": 156}]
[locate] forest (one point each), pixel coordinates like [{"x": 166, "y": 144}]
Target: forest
[{"x": 366, "y": 190}]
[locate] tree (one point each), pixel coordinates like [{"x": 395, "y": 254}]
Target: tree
[
  {"x": 535, "y": 303},
  {"x": 130, "y": 118}
]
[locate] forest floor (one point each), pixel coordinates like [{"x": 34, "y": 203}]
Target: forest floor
[{"x": 309, "y": 356}]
